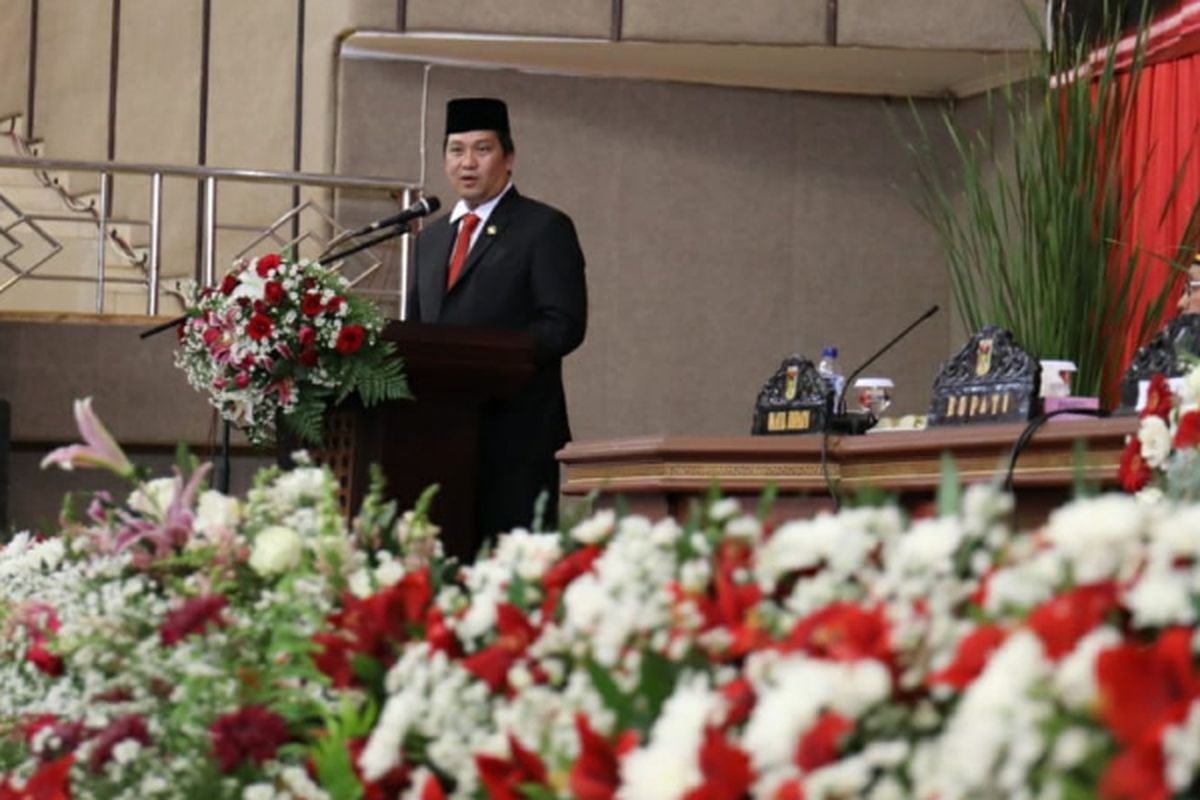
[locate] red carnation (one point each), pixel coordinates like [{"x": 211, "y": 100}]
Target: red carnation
[
  {"x": 1158, "y": 397},
  {"x": 267, "y": 263},
  {"x": 972, "y": 656},
  {"x": 229, "y": 284},
  {"x": 273, "y": 292},
  {"x": 1134, "y": 472},
  {"x": 259, "y": 327},
  {"x": 334, "y": 303},
  {"x": 192, "y": 617},
  {"x": 726, "y": 769},
  {"x": 1188, "y": 434},
  {"x": 1062, "y": 621},
  {"x": 350, "y": 339},
  {"x": 117, "y": 731},
  {"x": 251, "y": 732},
  {"x": 820, "y": 745},
  {"x": 307, "y": 336},
  {"x": 311, "y": 304},
  {"x": 842, "y": 632}
]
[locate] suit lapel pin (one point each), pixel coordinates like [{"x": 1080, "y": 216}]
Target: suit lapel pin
[{"x": 491, "y": 230}]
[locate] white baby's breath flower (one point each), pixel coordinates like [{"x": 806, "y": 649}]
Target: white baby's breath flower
[
  {"x": 276, "y": 549},
  {"x": 595, "y": 528}
]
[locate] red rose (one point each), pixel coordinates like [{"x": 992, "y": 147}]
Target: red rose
[
  {"x": 308, "y": 357},
  {"x": 259, "y": 327},
  {"x": 335, "y": 303},
  {"x": 192, "y": 617},
  {"x": 210, "y": 335},
  {"x": 252, "y": 732},
  {"x": 266, "y": 264},
  {"x": 308, "y": 336},
  {"x": 229, "y": 284},
  {"x": 350, "y": 339},
  {"x": 311, "y": 304}
]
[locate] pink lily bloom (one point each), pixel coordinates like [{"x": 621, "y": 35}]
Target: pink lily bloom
[{"x": 99, "y": 449}]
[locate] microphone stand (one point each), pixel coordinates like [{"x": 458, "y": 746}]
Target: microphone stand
[{"x": 855, "y": 423}]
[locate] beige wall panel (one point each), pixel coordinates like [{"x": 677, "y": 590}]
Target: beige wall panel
[
  {"x": 252, "y": 87},
  {"x": 523, "y": 17},
  {"x": 724, "y": 230},
  {"x": 14, "y": 56},
  {"x": 945, "y": 24},
  {"x": 758, "y": 21},
  {"x": 72, "y": 78},
  {"x": 159, "y": 69}
]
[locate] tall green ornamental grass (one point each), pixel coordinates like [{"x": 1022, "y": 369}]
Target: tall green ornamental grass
[{"x": 1032, "y": 212}]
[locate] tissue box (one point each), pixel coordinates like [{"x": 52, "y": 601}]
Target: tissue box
[{"x": 1050, "y": 404}]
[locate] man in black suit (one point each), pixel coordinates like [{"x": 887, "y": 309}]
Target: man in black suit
[{"x": 502, "y": 260}]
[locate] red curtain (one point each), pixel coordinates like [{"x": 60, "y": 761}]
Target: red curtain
[{"x": 1163, "y": 136}]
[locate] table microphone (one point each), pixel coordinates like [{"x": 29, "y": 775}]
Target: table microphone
[{"x": 854, "y": 423}]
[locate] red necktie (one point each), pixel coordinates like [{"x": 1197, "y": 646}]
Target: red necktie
[{"x": 461, "y": 245}]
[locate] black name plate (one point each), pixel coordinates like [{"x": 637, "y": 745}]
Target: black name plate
[
  {"x": 990, "y": 380},
  {"x": 1167, "y": 353},
  {"x": 796, "y": 399}
]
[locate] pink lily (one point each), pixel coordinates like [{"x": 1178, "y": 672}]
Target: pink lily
[
  {"x": 98, "y": 450},
  {"x": 172, "y": 531}
]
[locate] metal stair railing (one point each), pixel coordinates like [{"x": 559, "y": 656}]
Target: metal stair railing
[{"x": 406, "y": 192}]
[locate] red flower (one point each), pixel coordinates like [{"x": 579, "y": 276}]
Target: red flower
[
  {"x": 259, "y": 327},
  {"x": 192, "y": 617},
  {"x": 432, "y": 789},
  {"x": 52, "y": 781},
  {"x": 1062, "y": 621},
  {"x": 438, "y": 633},
  {"x": 726, "y": 770},
  {"x": 350, "y": 339},
  {"x": 43, "y": 659},
  {"x": 504, "y": 779},
  {"x": 1158, "y": 397},
  {"x": 117, "y": 731},
  {"x": 562, "y": 572},
  {"x": 491, "y": 665},
  {"x": 40, "y": 622},
  {"x": 311, "y": 304},
  {"x": 595, "y": 775},
  {"x": 334, "y": 303},
  {"x": 739, "y": 698},
  {"x": 1133, "y": 472},
  {"x": 267, "y": 263},
  {"x": 1135, "y": 775},
  {"x": 971, "y": 657},
  {"x": 390, "y": 785},
  {"x": 273, "y": 293},
  {"x": 842, "y": 632},
  {"x": 820, "y": 745},
  {"x": 229, "y": 284},
  {"x": 307, "y": 336},
  {"x": 334, "y": 657},
  {"x": 1188, "y": 434},
  {"x": 308, "y": 357},
  {"x": 251, "y": 732},
  {"x": 1144, "y": 689}
]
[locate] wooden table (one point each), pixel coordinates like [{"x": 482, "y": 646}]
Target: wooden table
[{"x": 660, "y": 475}]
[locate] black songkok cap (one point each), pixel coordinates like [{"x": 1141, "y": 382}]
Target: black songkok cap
[{"x": 476, "y": 114}]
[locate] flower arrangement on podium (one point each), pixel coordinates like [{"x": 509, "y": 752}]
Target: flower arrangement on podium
[
  {"x": 1162, "y": 458},
  {"x": 282, "y": 338}
]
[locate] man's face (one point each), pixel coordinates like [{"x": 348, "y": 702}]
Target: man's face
[{"x": 477, "y": 165}]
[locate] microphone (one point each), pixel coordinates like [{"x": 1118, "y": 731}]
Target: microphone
[
  {"x": 422, "y": 208},
  {"x": 860, "y": 422}
]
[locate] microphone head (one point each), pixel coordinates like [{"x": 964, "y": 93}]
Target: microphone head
[{"x": 431, "y": 204}]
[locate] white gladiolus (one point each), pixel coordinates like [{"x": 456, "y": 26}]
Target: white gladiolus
[{"x": 276, "y": 550}]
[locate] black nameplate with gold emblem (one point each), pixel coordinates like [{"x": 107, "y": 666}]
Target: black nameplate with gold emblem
[
  {"x": 1169, "y": 352},
  {"x": 796, "y": 399},
  {"x": 990, "y": 380}
]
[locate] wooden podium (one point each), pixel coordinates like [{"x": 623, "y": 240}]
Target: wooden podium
[{"x": 453, "y": 372}]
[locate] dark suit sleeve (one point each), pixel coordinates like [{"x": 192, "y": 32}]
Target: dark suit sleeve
[
  {"x": 559, "y": 290},
  {"x": 413, "y": 311}
]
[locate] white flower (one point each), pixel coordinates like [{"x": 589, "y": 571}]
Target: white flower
[
  {"x": 745, "y": 528},
  {"x": 1156, "y": 441},
  {"x": 1075, "y": 676},
  {"x": 1100, "y": 537},
  {"x": 1160, "y": 598},
  {"x": 1181, "y": 747},
  {"x": 668, "y": 766},
  {"x": 1070, "y": 749},
  {"x": 153, "y": 497},
  {"x": 216, "y": 512},
  {"x": 276, "y": 549},
  {"x": 723, "y": 509},
  {"x": 595, "y": 528},
  {"x": 259, "y": 791}
]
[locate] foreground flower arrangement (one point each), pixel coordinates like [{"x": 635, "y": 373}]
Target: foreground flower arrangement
[
  {"x": 262, "y": 649},
  {"x": 285, "y": 338}
]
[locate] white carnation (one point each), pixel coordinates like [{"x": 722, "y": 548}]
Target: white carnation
[
  {"x": 1156, "y": 441},
  {"x": 216, "y": 512}
]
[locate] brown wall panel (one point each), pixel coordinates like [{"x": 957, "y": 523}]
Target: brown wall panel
[
  {"x": 14, "y": 55},
  {"x": 72, "y": 78},
  {"x": 724, "y": 229},
  {"x": 525, "y": 17},
  {"x": 940, "y": 24},
  {"x": 746, "y": 21}
]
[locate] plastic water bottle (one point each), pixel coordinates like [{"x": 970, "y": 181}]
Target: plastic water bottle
[{"x": 828, "y": 369}]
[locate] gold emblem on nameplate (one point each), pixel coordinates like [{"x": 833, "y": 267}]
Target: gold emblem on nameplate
[
  {"x": 983, "y": 357},
  {"x": 491, "y": 230}
]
